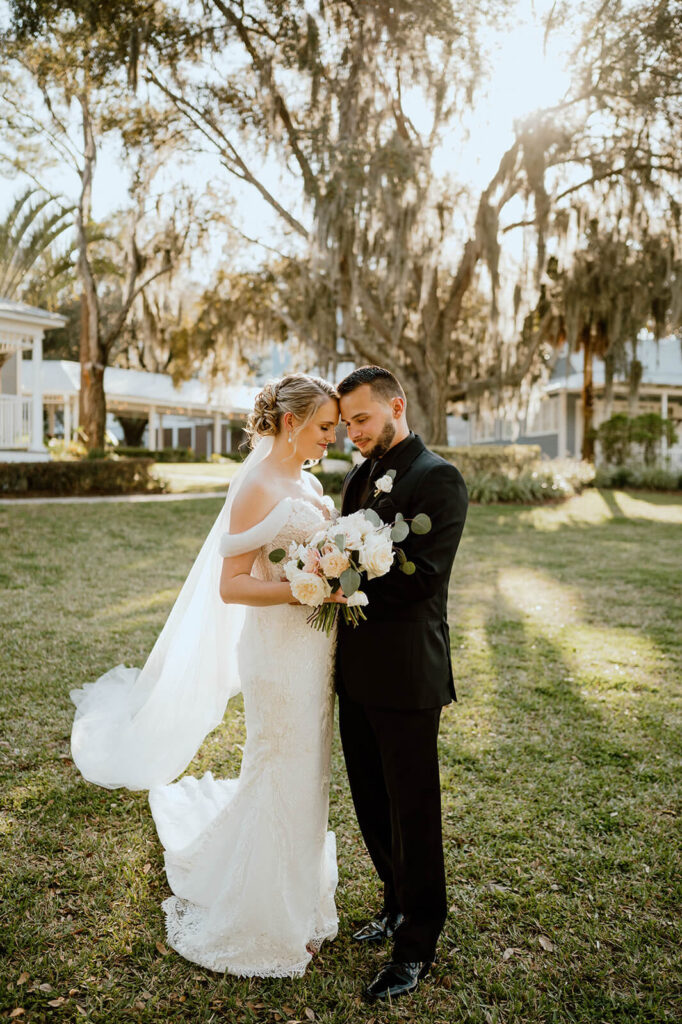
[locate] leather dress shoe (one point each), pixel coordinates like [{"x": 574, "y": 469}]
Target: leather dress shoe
[
  {"x": 396, "y": 979},
  {"x": 379, "y": 928}
]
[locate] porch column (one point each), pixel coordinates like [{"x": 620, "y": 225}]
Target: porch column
[
  {"x": 563, "y": 424},
  {"x": 37, "y": 402},
  {"x": 159, "y": 429},
  {"x": 76, "y": 413},
  {"x": 67, "y": 418},
  {"x": 193, "y": 441},
  {"x": 664, "y": 416},
  {"x": 217, "y": 433},
  {"x": 151, "y": 429},
  {"x": 228, "y": 438},
  {"x": 174, "y": 433}
]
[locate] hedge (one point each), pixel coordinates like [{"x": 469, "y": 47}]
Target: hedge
[
  {"x": 508, "y": 459},
  {"x": 158, "y": 455},
  {"x": 65, "y": 479},
  {"x": 644, "y": 478}
]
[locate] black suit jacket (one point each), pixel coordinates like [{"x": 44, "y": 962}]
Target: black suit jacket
[{"x": 400, "y": 657}]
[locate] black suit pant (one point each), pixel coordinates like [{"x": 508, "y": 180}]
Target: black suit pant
[{"x": 392, "y": 763}]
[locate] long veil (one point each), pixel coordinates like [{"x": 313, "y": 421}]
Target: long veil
[{"x": 141, "y": 727}]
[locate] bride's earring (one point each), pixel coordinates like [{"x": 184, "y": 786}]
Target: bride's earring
[{"x": 290, "y": 438}]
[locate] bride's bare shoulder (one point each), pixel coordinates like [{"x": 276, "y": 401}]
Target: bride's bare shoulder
[{"x": 256, "y": 499}]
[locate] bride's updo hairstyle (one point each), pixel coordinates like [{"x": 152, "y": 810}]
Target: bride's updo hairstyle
[{"x": 296, "y": 393}]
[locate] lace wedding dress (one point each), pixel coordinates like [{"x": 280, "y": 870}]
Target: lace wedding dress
[{"x": 250, "y": 860}]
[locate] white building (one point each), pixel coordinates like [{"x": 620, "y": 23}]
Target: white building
[
  {"x": 21, "y": 415},
  {"x": 555, "y": 423},
  {"x": 188, "y": 416}
]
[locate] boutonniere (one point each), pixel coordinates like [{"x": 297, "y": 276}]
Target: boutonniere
[{"x": 384, "y": 485}]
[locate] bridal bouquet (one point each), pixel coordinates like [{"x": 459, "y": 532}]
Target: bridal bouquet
[{"x": 339, "y": 556}]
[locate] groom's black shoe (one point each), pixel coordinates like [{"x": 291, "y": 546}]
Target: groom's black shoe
[
  {"x": 396, "y": 979},
  {"x": 379, "y": 928}
]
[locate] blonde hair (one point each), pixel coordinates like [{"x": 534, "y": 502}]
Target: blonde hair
[{"x": 297, "y": 393}]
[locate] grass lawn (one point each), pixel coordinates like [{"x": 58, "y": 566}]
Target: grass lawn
[
  {"x": 560, "y": 766},
  {"x": 195, "y": 476}
]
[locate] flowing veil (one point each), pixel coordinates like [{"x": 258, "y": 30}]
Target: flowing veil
[{"x": 140, "y": 728}]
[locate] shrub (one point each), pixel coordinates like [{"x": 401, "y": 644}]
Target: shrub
[
  {"x": 507, "y": 459},
  {"x": 646, "y": 478},
  {"x": 614, "y": 437},
  {"x": 332, "y": 483},
  {"x": 101, "y": 476},
  {"x": 558, "y": 478},
  {"x": 617, "y": 435},
  {"x": 160, "y": 455}
]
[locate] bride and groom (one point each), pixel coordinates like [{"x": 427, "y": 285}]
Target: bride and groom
[{"x": 250, "y": 861}]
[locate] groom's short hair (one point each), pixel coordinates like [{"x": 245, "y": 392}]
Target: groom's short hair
[{"x": 383, "y": 384}]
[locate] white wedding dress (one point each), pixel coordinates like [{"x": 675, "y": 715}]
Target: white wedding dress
[{"x": 250, "y": 861}]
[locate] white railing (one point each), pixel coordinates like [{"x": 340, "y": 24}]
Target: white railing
[{"x": 15, "y": 421}]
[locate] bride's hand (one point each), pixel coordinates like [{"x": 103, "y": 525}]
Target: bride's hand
[{"x": 338, "y": 597}]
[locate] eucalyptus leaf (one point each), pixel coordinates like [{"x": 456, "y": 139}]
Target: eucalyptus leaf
[
  {"x": 400, "y": 531},
  {"x": 421, "y": 523},
  {"x": 340, "y": 541},
  {"x": 409, "y": 568},
  {"x": 402, "y": 557},
  {"x": 350, "y": 581},
  {"x": 277, "y": 555},
  {"x": 373, "y": 517},
  {"x": 391, "y": 473}
]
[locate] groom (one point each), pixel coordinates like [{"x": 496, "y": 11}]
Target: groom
[{"x": 394, "y": 675}]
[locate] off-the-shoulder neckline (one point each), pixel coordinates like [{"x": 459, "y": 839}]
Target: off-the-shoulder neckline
[{"x": 289, "y": 498}]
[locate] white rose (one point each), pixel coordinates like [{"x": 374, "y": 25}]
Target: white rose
[
  {"x": 290, "y": 570},
  {"x": 334, "y": 562},
  {"x": 358, "y": 598},
  {"x": 309, "y": 588},
  {"x": 376, "y": 556},
  {"x": 384, "y": 483},
  {"x": 354, "y": 527}
]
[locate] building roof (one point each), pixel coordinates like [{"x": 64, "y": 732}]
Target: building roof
[
  {"x": 661, "y": 362},
  {"x": 61, "y": 377},
  {"x": 19, "y": 313}
]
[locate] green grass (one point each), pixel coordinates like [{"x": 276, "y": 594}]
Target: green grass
[
  {"x": 195, "y": 476},
  {"x": 560, "y": 766}
]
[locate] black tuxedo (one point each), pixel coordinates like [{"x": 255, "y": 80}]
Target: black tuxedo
[{"x": 394, "y": 674}]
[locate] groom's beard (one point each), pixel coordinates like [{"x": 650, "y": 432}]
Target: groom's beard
[{"x": 383, "y": 442}]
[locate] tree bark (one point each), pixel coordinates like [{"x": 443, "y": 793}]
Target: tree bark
[
  {"x": 609, "y": 361},
  {"x": 587, "y": 396},
  {"x": 133, "y": 429},
  {"x": 636, "y": 370}
]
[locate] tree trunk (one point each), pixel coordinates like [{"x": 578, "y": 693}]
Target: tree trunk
[
  {"x": 636, "y": 370},
  {"x": 133, "y": 430},
  {"x": 609, "y": 363},
  {"x": 587, "y": 396},
  {"x": 427, "y": 404}
]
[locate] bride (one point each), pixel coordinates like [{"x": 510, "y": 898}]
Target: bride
[{"x": 250, "y": 861}]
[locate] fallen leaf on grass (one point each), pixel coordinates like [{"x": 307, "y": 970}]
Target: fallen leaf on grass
[
  {"x": 83, "y": 1012},
  {"x": 546, "y": 943},
  {"x": 310, "y": 1014},
  {"x": 17, "y": 1011},
  {"x": 56, "y": 1002},
  {"x": 509, "y": 951},
  {"x": 73, "y": 991},
  {"x": 45, "y": 987},
  {"x": 146, "y": 868},
  {"x": 23, "y": 978},
  {"x": 164, "y": 952}
]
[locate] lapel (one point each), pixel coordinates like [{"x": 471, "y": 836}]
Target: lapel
[
  {"x": 400, "y": 462},
  {"x": 353, "y": 486}
]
